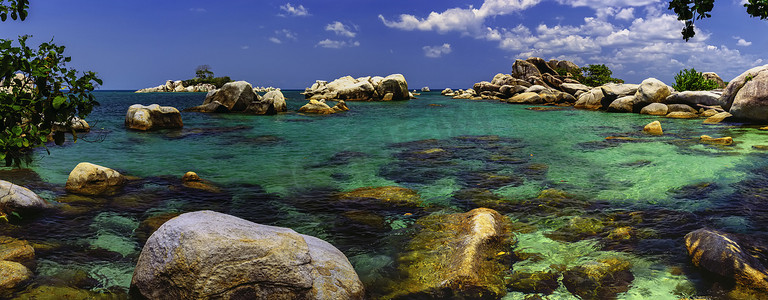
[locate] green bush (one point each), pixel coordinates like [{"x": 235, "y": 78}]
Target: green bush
[
  {"x": 217, "y": 81},
  {"x": 690, "y": 80},
  {"x": 597, "y": 75}
]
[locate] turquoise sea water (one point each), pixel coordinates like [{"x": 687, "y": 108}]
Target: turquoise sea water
[{"x": 281, "y": 170}]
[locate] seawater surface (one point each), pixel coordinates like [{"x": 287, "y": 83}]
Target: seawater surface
[{"x": 282, "y": 170}]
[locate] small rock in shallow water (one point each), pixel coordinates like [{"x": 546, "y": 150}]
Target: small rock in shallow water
[
  {"x": 89, "y": 179},
  {"x": 719, "y": 141},
  {"x": 653, "y": 128},
  {"x": 393, "y": 195},
  {"x": 602, "y": 279},
  {"x": 12, "y": 276}
]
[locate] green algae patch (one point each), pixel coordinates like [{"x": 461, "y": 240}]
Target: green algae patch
[
  {"x": 456, "y": 256},
  {"x": 392, "y": 195}
]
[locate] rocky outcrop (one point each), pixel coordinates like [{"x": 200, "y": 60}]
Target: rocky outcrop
[
  {"x": 241, "y": 97},
  {"x": 456, "y": 256},
  {"x": 178, "y": 86},
  {"x": 14, "y": 198},
  {"x": 391, "y": 88},
  {"x": 140, "y": 117},
  {"x": 89, "y": 179},
  {"x": 746, "y": 96},
  {"x": 207, "y": 254},
  {"x": 425, "y": 89},
  {"x": 714, "y": 77},
  {"x": 271, "y": 103},
  {"x": 652, "y": 90},
  {"x": 522, "y": 69},
  {"x": 319, "y": 107},
  {"x": 722, "y": 254}
]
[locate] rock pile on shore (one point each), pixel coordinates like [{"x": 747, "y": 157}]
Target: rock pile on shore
[{"x": 177, "y": 86}]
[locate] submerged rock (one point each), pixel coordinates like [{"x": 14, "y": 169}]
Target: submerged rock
[
  {"x": 602, "y": 279},
  {"x": 16, "y": 250},
  {"x": 720, "y": 141},
  {"x": 12, "y": 276},
  {"x": 208, "y": 254},
  {"x": 14, "y": 198},
  {"x": 720, "y": 253},
  {"x": 534, "y": 282},
  {"x": 321, "y": 108},
  {"x": 390, "y": 195},
  {"x": 457, "y": 256},
  {"x": 192, "y": 180},
  {"x": 89, "y": 179},
  {"x": 140, "y": 117}
]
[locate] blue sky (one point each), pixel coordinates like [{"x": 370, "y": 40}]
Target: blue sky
[{"x": 441, "y": 43}]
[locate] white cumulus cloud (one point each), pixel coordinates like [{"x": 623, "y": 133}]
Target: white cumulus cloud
[
  {"x": 437, "y": 51},
  {"x": 333, "y": 44},
  {"x": 296, "y": 11},
  {"x": 340, "y": 29},
  {"x": 741, "y": 42},
  {"x": 275, "y": 40}
]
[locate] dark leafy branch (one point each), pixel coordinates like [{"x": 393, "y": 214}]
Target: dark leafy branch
[{"x": 691, "y": 11}]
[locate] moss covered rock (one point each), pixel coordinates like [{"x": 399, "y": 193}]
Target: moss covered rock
[
  {"x": 602, "y": 279},
  {"x": 456, "y": 256},
  {"x": 391, "y": 195}
]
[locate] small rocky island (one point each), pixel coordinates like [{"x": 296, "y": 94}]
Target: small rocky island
[
  {"x": 241, "y": 97},
  {"x": 376, "y": 88}
]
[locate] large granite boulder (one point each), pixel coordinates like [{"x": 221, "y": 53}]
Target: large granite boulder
[
  {"x": 722, "y": 254},
  {"x": 568, "y": 66},
  {"x": 526, "y": 98},
  {"x": 14, "y": 198},
  {"x": 206, "y": 254},
  {"x": 541, "y": 65},
  {"x": 746, "y": 96},
  {"x": 593, "y": 99},
  {"x": 655, "y": 109},
  {"x": 522, "y": 70},
  {"x": 652, "y": 90},
  {"x": 271, "y": 103},
  {"x": 613, "y": 91},
  {"x": 694, "y": 98},
  {"x": 485, "y": 86},
  {"x": 140, "y": 117},
  {"x": 394, "y": 84},
  {"x": 235, "y": 96},
  {"x": 456, "y": 256},
  {"x": 714, "y": 77},
  {"x": 507, "y": 79},
  {"x": 89, "y": 179},
  {"x": 624, "y": 104},
  {"x": 573, "y": 88}
]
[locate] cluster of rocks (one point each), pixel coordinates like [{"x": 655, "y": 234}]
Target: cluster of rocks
[
  {"x": 532, "y": 81},
  {"x": 241, "y": 97},
  {"x": 321, "y": 108},
  {"x": 535, "y": 81},
  {"x": 261, "y": 89},
  {"x": 377, "y": 88},
  {"x": 177, "y": 86}
]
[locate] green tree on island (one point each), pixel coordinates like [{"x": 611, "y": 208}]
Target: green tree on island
[
  {"x": 37, "y": 91},
  {"x": 692, "y": 10},
  {"x": 596, "y": 75},
  {"x": 203, "y": 72}
]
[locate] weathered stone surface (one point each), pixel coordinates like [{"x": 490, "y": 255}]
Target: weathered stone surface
[
  {"x": 693, "y": 98},
  {"x": 655, "y": 109},
  {"x": 681, "y": 108},
  {"x": 12, "y": 276},
  {"x": 207, "y": 254},
  {"x": 527, "y": 97},
  {"x": 456, "y": 256},
  {"x": 653, "y": 128},
  {"x": 140, "y": 117},
  {"x": 714, "y": 77},
  {"x": 682, "y": 115},
  {"x": 392, "y": 87},
  {"x": 89, "y": 179},
  {"x": 717, "y": 118},
  {"x": 602, "y": 279},
  {"x": 590, "y": 100},
  {"x": 552, "y": 81},
  {"x": 507, "y": 79},
  {"x": 718, "y": 141},
  {"x": 568, "y": 66},
  {"x": 721, "y": 254},
  {"x": 541, "y": 65},
  {"x": 271, "y": 103},
  {"x": 212, "y": 107},
  {"x": 484, "y": 86},
  {"x": 652, "y": 90},
  {"x": 522, "y": 70},
  {"x": 624, "y": 104},
  {"x": 14, "y": 198},
  {"x": 236, "y": 96},
  {"x": 746, "y": 96},
  {"x": 15, "y": 250},
  {"x": 395, "y": 84},
  {"x": 572, "y": 88},
  {"x": 613, "y": 91},
  {"x": 389, "y": 195}
]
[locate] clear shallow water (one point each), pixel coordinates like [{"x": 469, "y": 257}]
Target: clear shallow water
[{"x": 281, "y": 170}]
